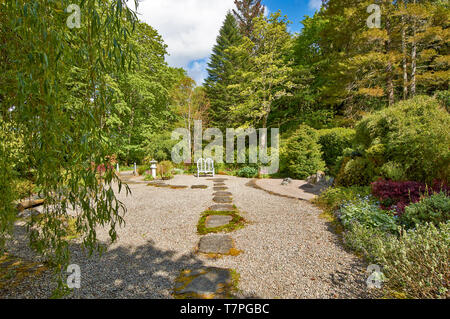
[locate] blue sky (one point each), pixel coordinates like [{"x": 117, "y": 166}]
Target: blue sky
[
  {"x": 190, "y": 27},
  {"x": 294, "y": 9}
]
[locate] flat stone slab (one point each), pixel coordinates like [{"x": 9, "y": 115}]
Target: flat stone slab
[
  {"x": 199, "y": 186},
  {"x": 217, "y": 220},
  {"x": 222, "y": 199},
  {"x": 158, "y": 185},
  {"x": 215, "y": 244},
  {"x": 219, "y": 180},
  {"x": 205, "y": 282},
  {"x": 178, "y": 186},
  {"x": 221, "y": 193},
  {"x": 220, "y": 188},
  {"x": 222, "y": 208},
  {"x": 28, "y": 213},
  {"x": 219, "y": 184}
]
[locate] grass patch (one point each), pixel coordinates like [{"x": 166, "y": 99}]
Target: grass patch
[{"x": 236, "y": 223}]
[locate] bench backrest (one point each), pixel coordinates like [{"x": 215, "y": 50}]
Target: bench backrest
[{"x": 205, "y": 165}]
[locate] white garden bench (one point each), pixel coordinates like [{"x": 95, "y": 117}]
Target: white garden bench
[{"x": 205, "y": 166}]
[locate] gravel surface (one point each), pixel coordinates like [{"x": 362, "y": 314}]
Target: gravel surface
[
  {"x": 288, "y": 251},
  {"x": 291, "y": 190}
]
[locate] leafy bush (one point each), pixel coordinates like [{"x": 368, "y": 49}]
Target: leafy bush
[
  {"x": 444, "y": 98},
  {"x": 247, "y": 172},
  {"x": 434, "y": 209},
  {"x": 333, "y": 142},
  {"x": 177, "y": 171},
  {"x": 142, "y": 169},
  {"x": 164, "y": 169},
  {"x": 393, "y": 171},
  {"x": 332, "y": 198},
  {"x": 23, "y": 188},
  {"x": 148, "y": 177},
  {"x": 301, "y": 156},
  {"x": 358, "y": 171},
  {"x": 368, "y": 214},
  {"x": 416, "y": 263},
  {"x": 397, "y": 195},
  {"x": 376, "y": 154},
  {"x": 414, "y": 133}
]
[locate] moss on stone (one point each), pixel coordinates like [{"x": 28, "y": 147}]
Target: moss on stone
[{"x": 236, "y": 223}]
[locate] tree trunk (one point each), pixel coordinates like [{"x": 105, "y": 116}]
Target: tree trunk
[
  {"x": 404, "y": 62},
  {"x": 389, "y": 76},
  {"x": 413, "y": 58}
]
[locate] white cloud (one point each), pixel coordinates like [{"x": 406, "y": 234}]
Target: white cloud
[
  {"x": 188, "y": 27},
  {"x": 266, "y": 11},
  {"x": 315, "y": 4}
]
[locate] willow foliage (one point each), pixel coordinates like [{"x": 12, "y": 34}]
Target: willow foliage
[{"x": 63, "y": 142}]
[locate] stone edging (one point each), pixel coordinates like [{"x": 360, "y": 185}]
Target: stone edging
[{"x": 252, "y": 183}]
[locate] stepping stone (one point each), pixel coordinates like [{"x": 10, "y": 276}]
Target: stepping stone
[
  {"x": 222, "y": 208},
  {"x": 158, "y": 185},
  {"x": 178, "y": 186},
  {"x": 28, "y": 213},
  {"x": 222, "y": 199},
  {"x": 199, "y": 186},
  {"x": 219, "y": 180},
  {"x": 206, "y": 282},
  {"x": 215, "y": 244},
  {"x": 217, "y": 220},
  {"x": 222, "y": 194},
  {"x": 220, "y": 188},
  {"x": 219, "y": 184}
]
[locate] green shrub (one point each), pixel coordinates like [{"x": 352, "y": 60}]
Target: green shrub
[
  {"x": 148, "y": 177},
  {"x": 358, "y": 171},
  {"x": 444, "y": 98},
  {"x": 434, "y": 209},
  {"x": 247, "y": 172},
  {"x": 301, "y": 155},
  {"x": 332, "y": 198},
  {"x": 164, "y": 169},
  {"x": 376, "y": 154},
  {"x": 415, "y": 264},
  {"x": 333, "y": 142},
  {"x": 142, "y": 169},
  {"x": 393, "y": 171},
  {"x": 367, "y": 213},
  {"x": 177, "y": 171},
  {"x": 415, "y": 133},
  {"x": 24, "y": 188}
]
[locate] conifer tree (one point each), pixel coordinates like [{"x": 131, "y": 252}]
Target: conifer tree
[
  {"x": 247, "y": 11},
  {"x": 220, "y": 69}
]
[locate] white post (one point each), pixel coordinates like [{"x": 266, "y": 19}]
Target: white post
[
  {"x": 153, "y": 168},
  {"x": 134, "y": 169},
  {"x": 117, "y": 168}
]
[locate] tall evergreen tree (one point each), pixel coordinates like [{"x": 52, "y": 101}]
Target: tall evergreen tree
[
  {"x": 247, "y": 10},
  {"x": 220, "y": 69}
]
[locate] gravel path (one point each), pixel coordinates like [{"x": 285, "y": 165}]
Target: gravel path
[{"x": 288, "y": 251}]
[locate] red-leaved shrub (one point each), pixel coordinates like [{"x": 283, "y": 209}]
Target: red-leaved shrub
[{"x": 396, "y": 196}]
